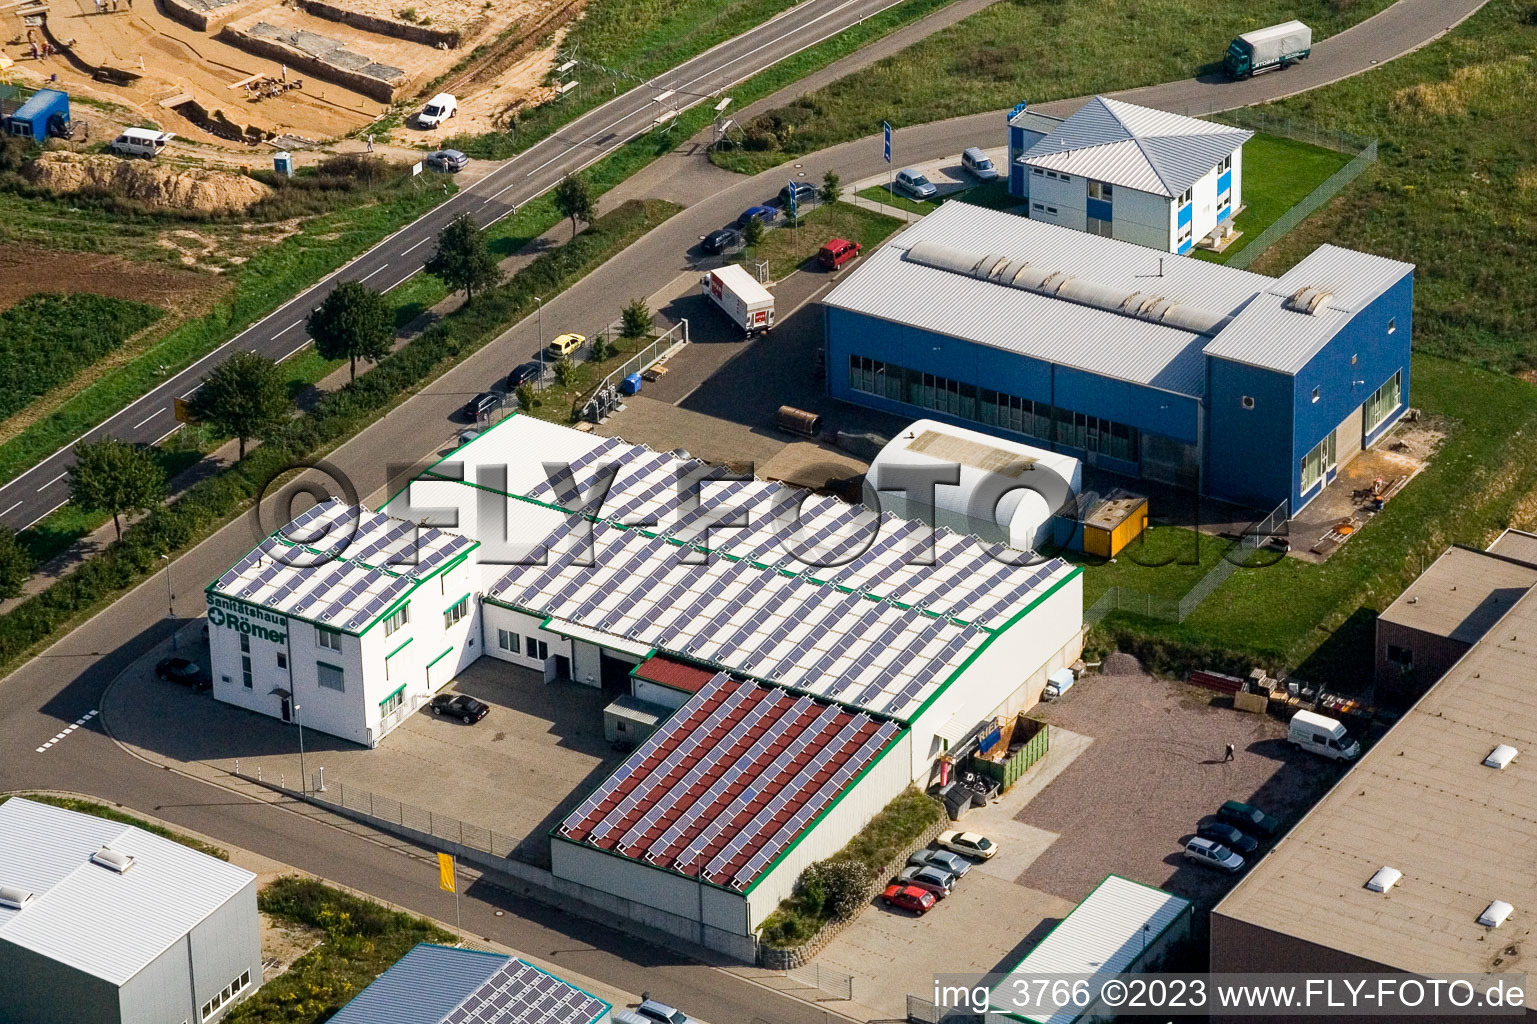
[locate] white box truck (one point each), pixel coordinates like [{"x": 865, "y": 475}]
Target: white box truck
[
  {"x": 1267, "y": 49},
  {"x": 1322, "y": 735},
  {"x": 743, "y": 299}
]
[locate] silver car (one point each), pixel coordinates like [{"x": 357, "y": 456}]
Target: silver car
[
  {"x": 915, "y": 184},
  {"x": 944, "y": 860},
  {"x": 936, "y": 880},
  {"x": 1213, "y": 854},
  {"x": 976, "y": 164}
]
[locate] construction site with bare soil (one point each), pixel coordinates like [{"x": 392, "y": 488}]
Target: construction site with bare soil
[{"x": 242, "y": 78}]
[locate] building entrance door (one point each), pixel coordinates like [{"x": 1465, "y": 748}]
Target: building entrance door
[
  {"x": 287, "y": 710},
  {"x": 562, "y": 666}
]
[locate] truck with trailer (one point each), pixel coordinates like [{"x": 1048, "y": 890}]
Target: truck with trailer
[
  {"x": 1268, "y": 49},
  {"x": 744, "y": 300}
]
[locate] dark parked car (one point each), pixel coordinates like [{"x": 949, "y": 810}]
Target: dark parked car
[
  {"x": 447, "y": 160},
  {"x": 1228, "y": 836},
  {"x": 767, "y": 214},
  {"x": 459, "y": 705},
  {"x": 482, "y": 405},
  {"x": 717, "y": 242},
  {"x": 1250, "y": 819},
  {"x": 525, "y": 373},
  {"x": 805, "y": 192},
  {"x": 183, "y": 672},
  {"x": 945, "y": 860}
]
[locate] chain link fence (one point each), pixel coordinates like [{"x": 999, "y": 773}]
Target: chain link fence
[
  {"x": 389, "y": 811},
  {"x": 830, "y": 983}
]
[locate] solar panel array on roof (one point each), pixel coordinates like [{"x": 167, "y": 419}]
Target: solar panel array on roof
[
  {"x": 728, "y": 782},
  {"x": 520, "y": 993}
]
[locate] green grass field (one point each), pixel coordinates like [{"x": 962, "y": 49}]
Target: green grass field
[
  {"x": 1024, "y": 51},
  {"x": 1166, "y": 561},
  {"x": 787, "y": 252},
  {"x": 896, "y": 200},
  {"x": 1278, "y": 173}
]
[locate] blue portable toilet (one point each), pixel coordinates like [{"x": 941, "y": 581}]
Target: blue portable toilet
[
  {"x": 283, "y": 163},
  {"x": 630, "y": 385},
  {"x": 45, "y": 113}
]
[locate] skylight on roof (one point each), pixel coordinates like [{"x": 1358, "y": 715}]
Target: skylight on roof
[
  {"x": 112, "y": 860},
  {"x": 1495, "y": 914},
  {"x": 14, "y": 897},
  {"x": 1501, "y": 756},
  {"x": 1384, "y": 879}
]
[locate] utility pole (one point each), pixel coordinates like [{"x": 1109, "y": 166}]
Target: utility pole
[
  {"x": 541, "y": 339},
  {"x": 170, "y": 604},
  {"x": 303, "y": 779}
]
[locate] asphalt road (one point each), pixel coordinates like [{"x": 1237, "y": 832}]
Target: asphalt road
[
  {"x": 58, "y": 687},
  {"x": 37, "y": 492}
]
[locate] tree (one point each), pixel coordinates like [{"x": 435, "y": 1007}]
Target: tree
[
  {"x": 525, "y": 396},
  {"x": 752, "y": 233},
  {"x": 599, "y": 350},
  {"x": 565, "y": 372},
  {"x": 832, "y": 187},
  {"x": 463, "y": 259},
  {"x": 635, "y": 321},
  {"x": 15, "y": 564},
  {"x": 245, "y": 396},
  {"x": 354, "y": 322},
  {"x": 574, "y": 200},
  {"x": 845, "y": 885},
  {"x": 114, "y": 477}
]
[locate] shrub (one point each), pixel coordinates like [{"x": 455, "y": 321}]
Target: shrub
[{"x": 845, "y": 883}]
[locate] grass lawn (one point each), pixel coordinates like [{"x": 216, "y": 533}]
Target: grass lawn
[
  {"x": 891, "y": 197},
  {"x": 1166, "y": 561},
  {"x": 1025, "y": 51},
  {"x": 838, "y": 220},
  {"x": 1278, "y": 173}
]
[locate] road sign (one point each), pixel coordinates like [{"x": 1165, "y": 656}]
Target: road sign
[
  {"x": 183, "y": 411},
  {"x": 792, "y": 198},
  {"x": 887, "y": 128}
]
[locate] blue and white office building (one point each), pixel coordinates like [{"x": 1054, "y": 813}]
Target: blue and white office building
[
  {"x": 1122, "y": 171},
  {"x": 1244, "y": 387}
]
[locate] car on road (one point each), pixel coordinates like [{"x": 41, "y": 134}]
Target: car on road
[
  {"x": 717, "y": 242},
  {"x": 930, "y": 879},
  {"x": 1249, "y": 818},
  {"x": 915, "y": 184},
  {"x": 945, "y": 860},
  {"x": 836, "y": 253},
  {"x": 459, "y": 705},
  {"x": 766, "y": 214},
  {"x": 1229, "y": 836},
  {"x": 446, "y": 160},
  {"x": 482, "y": 405},
  {"x": 975, "y": 163},
  {"x": 524, "y": 373},
  {"x": 909, "y": 897},
  {"x": 969, "y": 843},
  {"x": 183, "y": 672},
  {"x": 804, "y": 191},
  {"x": 655, "y": 1011},
  {"x": 1213, "y": 855},
  {"x": 565, "y": 344}
]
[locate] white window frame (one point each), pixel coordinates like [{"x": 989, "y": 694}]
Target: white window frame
[
  {"x": 456, "y": 612},
  {"x": 341, "y": 676},
  {"x": 328, "y": 638},
  {"x": 509, "y": 641},
  {"x": 1396, "y": 381},
  {"x": 399, "y": 617}
]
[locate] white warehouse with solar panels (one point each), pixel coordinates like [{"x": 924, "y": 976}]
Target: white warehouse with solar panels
[{"x": 833, "y": 658}]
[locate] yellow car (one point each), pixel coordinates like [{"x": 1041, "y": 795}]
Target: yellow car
[{"x": 566, "y": 344}]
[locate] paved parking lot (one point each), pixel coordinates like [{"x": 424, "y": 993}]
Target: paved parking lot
[{"x": 515, "y": 772}]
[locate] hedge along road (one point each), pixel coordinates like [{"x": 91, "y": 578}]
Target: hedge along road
[
  {"x": 54, "y": 689},
  {"x": 43, "y": 488}
]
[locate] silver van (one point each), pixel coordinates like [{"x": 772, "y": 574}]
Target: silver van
[{"x": 975, "y": 163}]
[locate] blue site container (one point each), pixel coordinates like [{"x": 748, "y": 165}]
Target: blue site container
[
  {"x": 630, "y": 385},
  {"x": 45, "y": 113}
]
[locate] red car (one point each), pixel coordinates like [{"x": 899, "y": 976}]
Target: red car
[
  {"x": 837, "y": 252},
  {"x": 909, "y": 897}
]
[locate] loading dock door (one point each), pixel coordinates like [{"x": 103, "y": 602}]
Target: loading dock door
[{"x": 1348, "y": 435}]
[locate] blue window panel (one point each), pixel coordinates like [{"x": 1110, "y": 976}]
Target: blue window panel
[
  {"x": 1224, "y": 182},
  {"x": 1019, "y": 182},
  {"x": 1186, "y": 246},
  {"x": 1186, "y": 212},
  {"x": 1099, "y": 208},
  {"x": 1016, "y": 138},
  {"x": 1224, "y": 213}
]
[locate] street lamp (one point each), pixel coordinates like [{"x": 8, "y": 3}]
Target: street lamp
[
  {"x": 541, "y": 339},
  {"x": 170, "y": 603},
  {"x": 294, "y": 706}
]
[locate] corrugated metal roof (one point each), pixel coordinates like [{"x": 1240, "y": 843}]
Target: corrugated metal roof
[
  {"x": 1052, "y": 329},
  {"x": 1137, "y": 147},
  {"x": 1270, "y": 334},
  {"x": 97, "y": 921},
  {"x": 1102, "y": 935},
  {"x": 679, "y": 675}
]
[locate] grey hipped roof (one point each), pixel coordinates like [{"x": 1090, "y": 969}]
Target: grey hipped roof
[{"x": 1136, "y": 147}]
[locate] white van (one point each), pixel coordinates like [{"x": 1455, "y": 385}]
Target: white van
[
  {"x": 1323, "y": 736},
  {"x": 140, "y": 142},
  {"x": 438, "y": 109},
  {"x": 976, "y": 163}
]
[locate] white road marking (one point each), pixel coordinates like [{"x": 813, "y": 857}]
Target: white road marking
[
  {"x": 146, "y": 419},
  {"x": 291, "y": 352},
  {"x": 13, "y": 508},
  {"x": 55, "y": 480},
  {"x": 68, "y": 729},
  {"x": 45, "y": 515},
  {"x": 403, "y": 280},
  {"x": 291, "y": 326},
  {"x": 424, "y": 241},
  {"x": 371, "y": 273}
]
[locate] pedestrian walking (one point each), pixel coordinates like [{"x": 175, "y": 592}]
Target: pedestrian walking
[
  {"x": 1229, "y": 755},
  {"x": 283, "y": 70},
  {"x": 34, "y": 49},
  {"x": 370, "y": 143}
]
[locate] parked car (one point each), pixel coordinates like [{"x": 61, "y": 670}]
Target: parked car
[
  {"x": 837, "y": 252},
  {"x": 482, "y": 405},
  {"x": 717, "y": 242},
  {"x": 969, "y": 843},
  {"x": 655, "y": 1010},
  {"x": 930, "y": 879},
  {"x": 915, "y": 184},
  {"x": 466, "y": 436},
  {"x": 447, "y": 160},
  {"x": 767, "y": 214},
  {"x": 438, "y": 109},
  {"x": 1213, "y": 854},
  {"x": 975, "y": 163},
  {"x": 1250, "y": 819},
  {"x": 183, "y": 672},
  {"x": 805, "y": 192},
  {"x": 565, "y": 344},
  {"x": 945, "y": 860},
  {"x": 1229, "y": 836},
  {"x": 459, "y": 705},
  {"x": 909, "y": 897},
  {"x": 524, "y": 373}
]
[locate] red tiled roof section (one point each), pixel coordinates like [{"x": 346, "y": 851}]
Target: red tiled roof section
[{"x": 679, "y": 675}]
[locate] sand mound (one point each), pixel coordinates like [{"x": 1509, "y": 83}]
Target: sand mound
[{"x": 195, "y": 188}]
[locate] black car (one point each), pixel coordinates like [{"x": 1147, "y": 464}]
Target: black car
[
  {"x": 183, "y": 672},
  {"x": 482, "y": 405},
  {"x": 525, "y": 373},
  {"x": 805, "y": 192},
  {"x": 1248, "y": 817},
  {"x": 1227, "y": 835},
  {"x": 459, "y": 705},
  {"x": 717, "y": 242}
]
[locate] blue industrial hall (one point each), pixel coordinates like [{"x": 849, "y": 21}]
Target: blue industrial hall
[{"x": 1252, "y": 389}]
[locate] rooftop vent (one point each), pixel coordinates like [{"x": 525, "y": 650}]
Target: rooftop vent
[
  {"x": 1501, "y": 756},
  {"x": 1384, "y": 879},
  {"x": 14, "y": 898},
  {"x": 1495, "y": 914},
  {"x": 1309, "y": 300},
  {"x": 112, "y": 860}
]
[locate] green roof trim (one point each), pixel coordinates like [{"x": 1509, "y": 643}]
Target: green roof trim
[
  {"x": 434, "y": 574},
  {"x": 450, "y": 606},
  {"x": 392, "y": 695}
]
